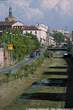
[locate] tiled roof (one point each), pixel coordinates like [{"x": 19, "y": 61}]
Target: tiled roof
[
  {"x": 6, "y": 23},
  {"x": 30, "y": 28},
  {"x": 25, "y": 27}
]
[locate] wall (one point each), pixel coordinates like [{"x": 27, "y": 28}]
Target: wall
[{"x": 1, "y": 57}]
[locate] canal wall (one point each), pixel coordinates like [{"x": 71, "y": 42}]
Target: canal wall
[{"x": 69, "y": 93}]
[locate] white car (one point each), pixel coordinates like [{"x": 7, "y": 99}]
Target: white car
[{"x": 65, "y": 54}]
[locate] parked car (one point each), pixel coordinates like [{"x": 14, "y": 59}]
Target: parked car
[
  {"x": 38, "y": 52},
  {"x": 66, "y": 55},
  {"x": 32, "y": 55}
]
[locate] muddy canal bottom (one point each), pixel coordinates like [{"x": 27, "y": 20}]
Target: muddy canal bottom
[{"x": 50, "y": 91}]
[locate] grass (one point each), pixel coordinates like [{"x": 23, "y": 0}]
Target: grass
[
  {"x": 45, "y": 104},
  {"x": 9, "y": 91},
  {"x": 58, "y": 62},
  {"x": 53, "y": 89},
  {"x": 57, "y": 70},
  {"x": 22, "y": 105},
  {"x": 56, "y": 76}
]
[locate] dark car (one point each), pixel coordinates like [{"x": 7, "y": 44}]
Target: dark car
[
  {"x": 38, "y": 52},
  {"x": 32, "y": 55}
]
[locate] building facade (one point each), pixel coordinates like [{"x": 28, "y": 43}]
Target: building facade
[
  {"x": 8, "y": 22},
  {"x": 43, "y": 34},
  {"x": 10, "y": 17},
  {"x": 1, "y": 57},
  {"x": 18, "y": 25},
  {"x": 40, "y": 30},
  {"x": 52, "y": 41}
]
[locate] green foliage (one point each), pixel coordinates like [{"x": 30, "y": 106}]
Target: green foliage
[
  {"x": 70, "y": 50},
  {"x": 69, "y": 46},
  {"x": 46, "y": 54},
  {"x": 22, "y": 44},
  {"x": 29, "y": 69},
  {"x": 24, "y": 71},
  {"x": 59, "y": 37}
]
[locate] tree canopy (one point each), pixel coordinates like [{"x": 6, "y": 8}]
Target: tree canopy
[
  {"x": 22, "y": 44},
  {"x": 59, "y": 37}
]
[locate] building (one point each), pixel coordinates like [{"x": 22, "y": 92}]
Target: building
[
  {"x": 39, "y": 30},
  {"x": 8, "y": 22},
  {"x": 18, "y": 25},
  {"x": 72, "y": 36},
  {"x": 10, "y": 18},
  {"x": 33, "y": 30},
  {"x": 67, "y": 35},
  {"x": 5, "y": 25},
  {"x": 52, "y": 41},
  {"x": 1, "y": 57},
  {"x": 43, "y": 34},
  {"x": 59, "y": 30}
]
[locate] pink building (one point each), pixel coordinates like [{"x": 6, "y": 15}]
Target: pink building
[{"x": 1, "y": 57}]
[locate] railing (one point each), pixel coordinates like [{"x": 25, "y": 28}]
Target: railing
[{"x": 58, "y": 49}]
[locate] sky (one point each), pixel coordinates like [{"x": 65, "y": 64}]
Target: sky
[{"x": 54, "y": 13}]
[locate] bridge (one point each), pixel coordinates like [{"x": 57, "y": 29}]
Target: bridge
[{"x": 57, "y": 49}]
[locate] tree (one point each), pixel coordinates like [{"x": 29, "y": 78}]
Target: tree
[
  {"x": 22, "y": 45},
  {"x": 59, "y": 37}
]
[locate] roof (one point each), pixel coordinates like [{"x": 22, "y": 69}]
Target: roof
[
  {"x": 18, "y": 24},
  {"x": 30, "y": 28},
  {"x": 6, "y": 23},
  {"x": 10, "y": 19}
]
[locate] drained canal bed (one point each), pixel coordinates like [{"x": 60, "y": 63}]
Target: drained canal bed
[
  {"x": 44, "y": 96},
  {"x": 51, "y": 82},
  {"x": 50, "y": 92},
  {"x": 50, "y": 89}
]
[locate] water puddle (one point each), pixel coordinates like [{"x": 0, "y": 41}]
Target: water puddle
[
  {"x": 43, "y": 96},
  {"x": 58, "y": 67},
  {"x": 55, "y": 73},
  {"x": 52, "y": 82}
]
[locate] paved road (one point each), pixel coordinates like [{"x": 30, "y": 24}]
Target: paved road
[{"x": 25, "y": 61}]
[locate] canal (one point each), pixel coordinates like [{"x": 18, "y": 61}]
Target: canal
[{"x": 50, "y": 91}]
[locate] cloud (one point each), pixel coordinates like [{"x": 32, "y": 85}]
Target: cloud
[
  {"x": 66, "y": 7},
  {"x": 22, "y": 8},
  {"x": 34, "y": 13},
  {"x": 3, "y": 0},
  {"x": 49, "y": 3},
  {"x": 30, "y": 11},
  {"x": 62, "y": 6}
]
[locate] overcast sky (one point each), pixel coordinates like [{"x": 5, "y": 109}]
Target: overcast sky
[{"x": 54, "y": 13}]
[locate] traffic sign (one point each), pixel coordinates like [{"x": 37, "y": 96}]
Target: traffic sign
[{"x": 10, "y": 46}]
